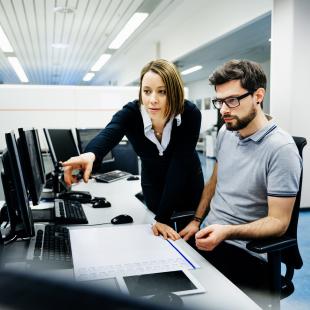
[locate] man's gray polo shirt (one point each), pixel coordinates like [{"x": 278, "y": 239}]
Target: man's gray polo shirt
[{"x": 266, "y": 163}]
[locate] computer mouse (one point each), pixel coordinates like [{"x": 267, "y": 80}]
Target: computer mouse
[
  {"x": 132, "y": 178},
  {"x": 167, "y": 299},
  {"x": 122, "y": 219},
  {"x": 101, "y": 203}
]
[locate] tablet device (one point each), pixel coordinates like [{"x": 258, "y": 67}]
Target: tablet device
[{"x": 179, "y": 282}]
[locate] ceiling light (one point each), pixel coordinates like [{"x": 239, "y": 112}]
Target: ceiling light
[
  {"x": 191, "y": 70},
  {"x": 60, "y": 45},
  {"x": 18, "y": 69},
  {"x": 88, "y": 76},
  {"x": 100, "y": 62},
  {"x": 63, "y": 10},
  {"x": 135, "y": 21},
  {"x": 4, "y": 42}
]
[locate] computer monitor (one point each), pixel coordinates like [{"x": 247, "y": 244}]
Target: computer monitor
[
  {"x": 32, "y": 163},
  {"x": 85, "y": 135},
  {"x": 61, "y": 144},
  {"x": 41, "y": 161},
  {"x": 15, "y": 193},
  {"x": 50, "y": 147},
  {"x": 121, "y": 157}
]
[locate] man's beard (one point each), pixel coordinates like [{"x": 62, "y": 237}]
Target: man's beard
[{"x": 240, "y": 123}]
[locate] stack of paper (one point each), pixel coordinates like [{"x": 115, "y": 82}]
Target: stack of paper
[{"x": 106, "y": 252}]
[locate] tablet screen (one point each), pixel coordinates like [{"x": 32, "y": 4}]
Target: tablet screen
[{"x": 164, "y": 282}]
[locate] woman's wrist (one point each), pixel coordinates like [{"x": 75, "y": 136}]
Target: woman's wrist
[
  {"x": 197, "y": 219},
  {"x": 92, "y": 155}
]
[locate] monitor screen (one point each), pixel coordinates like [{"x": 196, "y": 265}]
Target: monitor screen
[
  {"x": 15, "y": 191},
  {"x": 31, "y": 160},
  {"x": 61, "y": 144},
  {"x": 85, "y": 135}
]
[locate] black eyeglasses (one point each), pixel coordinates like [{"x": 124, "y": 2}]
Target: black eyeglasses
[{"x": 231, "y": 102}]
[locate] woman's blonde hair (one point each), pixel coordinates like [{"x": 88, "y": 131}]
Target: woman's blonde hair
[{"x": 173, "y": 83}]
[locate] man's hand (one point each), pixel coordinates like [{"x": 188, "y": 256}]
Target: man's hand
[
  {"x": 84, "y": 162},
  {"x": 165, "y": 230},
  {"x": 211, "y": 236},
  {"x": 190, "y": 230}
]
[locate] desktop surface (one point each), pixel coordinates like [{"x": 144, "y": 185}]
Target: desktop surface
[{"x": 216, "y": 285}]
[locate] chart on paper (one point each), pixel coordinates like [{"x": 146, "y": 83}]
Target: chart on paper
[{"x": 106, "y": 252}]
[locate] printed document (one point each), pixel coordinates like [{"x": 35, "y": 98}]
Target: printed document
[{"x": 106, "y": 252}]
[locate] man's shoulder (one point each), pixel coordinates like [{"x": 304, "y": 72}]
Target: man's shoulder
[{"x": 279, "y": 137}]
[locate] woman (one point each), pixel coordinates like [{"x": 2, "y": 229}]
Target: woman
[{"x": 163, "y": 129}]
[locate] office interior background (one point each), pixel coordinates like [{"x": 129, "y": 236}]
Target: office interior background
[{"x": 57, "y": 45}]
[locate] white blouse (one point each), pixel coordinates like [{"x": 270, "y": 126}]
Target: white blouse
[{"x": 150, "y": 134}]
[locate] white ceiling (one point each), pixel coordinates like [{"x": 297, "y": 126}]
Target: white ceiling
[
  {"x": 251, "y": 41},
  {"x": 32, "y": 26}
]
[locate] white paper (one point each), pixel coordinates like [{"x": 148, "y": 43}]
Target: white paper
[{"x": 106, "y": 252}]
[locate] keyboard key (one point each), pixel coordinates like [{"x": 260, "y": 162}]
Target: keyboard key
[
  {"x": 53, "y": 248},
  {"x": 111, "y": 176},
  {"x": 69, "y": 212}
]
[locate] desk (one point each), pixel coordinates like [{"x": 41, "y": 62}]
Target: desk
[{"x": 220, "y": 292}]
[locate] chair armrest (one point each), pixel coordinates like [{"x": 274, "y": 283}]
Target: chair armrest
[
  {"x": 182, "y": 215},
  {"x": 271, "y": 245}
]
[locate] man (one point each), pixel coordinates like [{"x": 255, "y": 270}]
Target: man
[{"x": 252, "y": 190}]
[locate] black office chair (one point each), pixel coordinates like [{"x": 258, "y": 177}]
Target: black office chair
[
  {"x": 178, "y": 219},
  {"x": 283, "y": 250},
  {"x": 125, "y": 157},
  {"x": 181, "y": 219}
]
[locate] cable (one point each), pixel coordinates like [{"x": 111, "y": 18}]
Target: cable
[{"x": 10, "y": 241}]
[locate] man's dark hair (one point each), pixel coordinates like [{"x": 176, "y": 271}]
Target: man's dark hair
[{"x": 250, "y": 74}]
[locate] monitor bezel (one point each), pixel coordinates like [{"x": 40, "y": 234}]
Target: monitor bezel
[
  {"x": 50, "y": 143},
  {"x": 39, "y": 152},
  {"x": 16, "y": 194},
  {"x": 34, "y": 186},
  {"x": 50, "y": 147}
]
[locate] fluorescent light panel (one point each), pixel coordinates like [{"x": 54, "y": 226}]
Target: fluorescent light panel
[
  {"x": 100, "y": 62},
  {"x": 88, "y": 76},
  {"x": 4, "y": 42},
  {"x": 191, "y": 70},
  {"x": 135, "y": 21},
  {"x": 18, "y": 69},
  {"x": 64, "y": 10},
  {"x": 60, "y": 45}
]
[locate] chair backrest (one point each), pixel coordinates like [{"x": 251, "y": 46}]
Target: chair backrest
[
  {"x": 291, "y": 256},
  {"x": 126, "y": 158}
]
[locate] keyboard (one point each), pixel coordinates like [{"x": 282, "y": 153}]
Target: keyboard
[
  {"x": 69, "y": 212},
  {"x": 111, "y": 176},
  {"x": 52, "y": 248}
]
